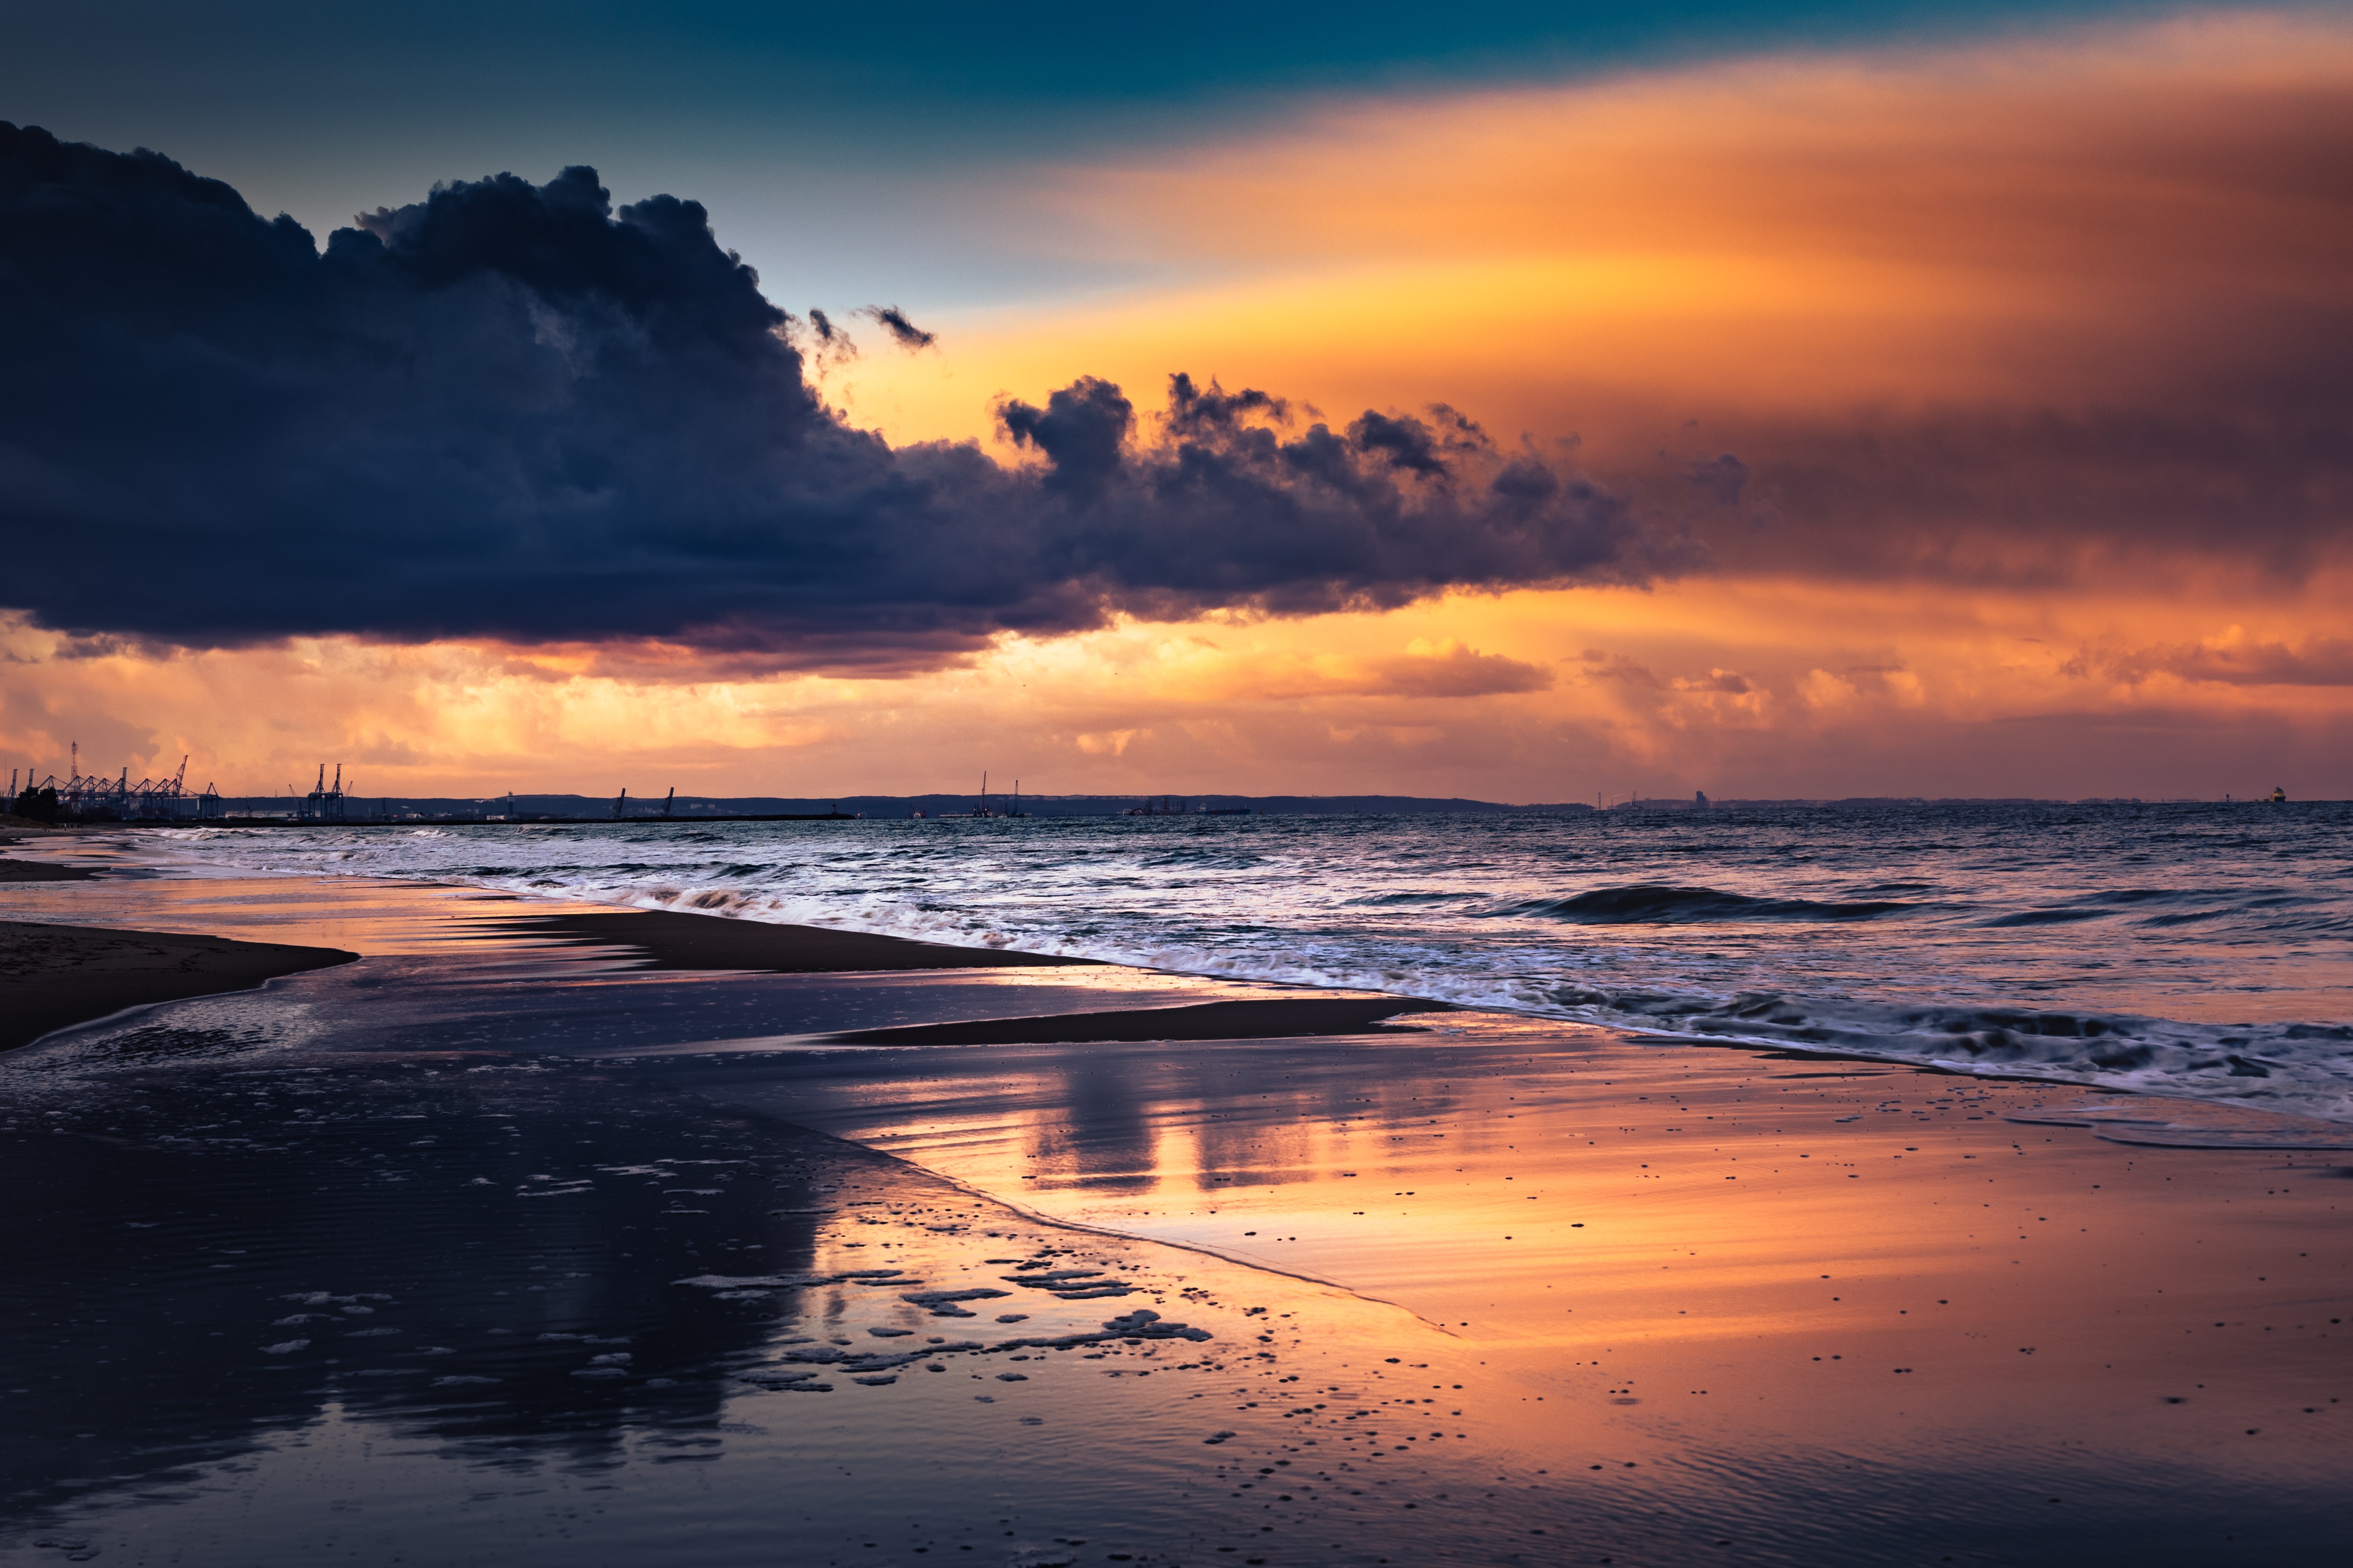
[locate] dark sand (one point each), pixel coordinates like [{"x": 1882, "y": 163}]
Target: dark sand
[
  {"x": 679, "y": 940},
  {"x": 53, "y": 975},
  {"x": 486, "y": 1314},
  {"x": 42, "y": 871},
  {"x": 1275, "y": 1018}
]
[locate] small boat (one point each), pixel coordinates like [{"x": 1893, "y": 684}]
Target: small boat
[{"x": 2278, "y": 795}]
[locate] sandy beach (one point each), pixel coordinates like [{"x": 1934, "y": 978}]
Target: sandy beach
[{"x": 589, "y": 1234}]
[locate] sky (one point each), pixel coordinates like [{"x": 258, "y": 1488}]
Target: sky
[{"x": 1548, "y": 404}]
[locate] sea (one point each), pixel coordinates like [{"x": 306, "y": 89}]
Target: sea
[{"x": 2196, "y": 951}]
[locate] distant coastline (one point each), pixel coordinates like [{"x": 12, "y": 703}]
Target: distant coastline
[{"x": 359, "y": 810}]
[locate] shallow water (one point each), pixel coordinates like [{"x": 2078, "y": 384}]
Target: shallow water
[{"x": 2189, "y": 950}]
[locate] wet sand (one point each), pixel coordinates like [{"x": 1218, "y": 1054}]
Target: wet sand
[
  {"x": 54, "y": 976},
  {"x": 669, "y": 1261},
  {"x": 42, "y": 871},
  {"x": 476, "y": 1313},
  {"x": 684, "y": 940},
  {"x": 1692, "y": 1245}
]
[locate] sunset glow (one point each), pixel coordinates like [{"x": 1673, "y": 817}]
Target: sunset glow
[{"x": 1956, "y": 388}]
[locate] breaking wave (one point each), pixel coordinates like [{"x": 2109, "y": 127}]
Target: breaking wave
[{"x": 1659, "y": 904}]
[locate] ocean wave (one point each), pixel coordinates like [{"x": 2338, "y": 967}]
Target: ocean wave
[
  {"x": 2260, "y": 908},
  {"x": 2047, "y": 917},
  {"x": 1649, "y": 903}
]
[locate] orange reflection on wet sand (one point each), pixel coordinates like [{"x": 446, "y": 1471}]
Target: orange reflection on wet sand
[{"x": 1678, "y": 1241}]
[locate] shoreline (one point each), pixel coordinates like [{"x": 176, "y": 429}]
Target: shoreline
[
  {"x": 691, "y": 939},
  {"x": 2190, "y": 1012},
  {"x": 56, "y": 976}
]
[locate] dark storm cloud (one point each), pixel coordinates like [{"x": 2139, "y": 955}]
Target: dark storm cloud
[
  {"x": 1193, "y": 412},
  {"x": 510, "y": 411},
  {"x": 1405, "y": 444},
  {"x": 1082, "y": 432}
]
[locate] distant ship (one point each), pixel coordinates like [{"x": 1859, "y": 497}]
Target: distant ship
[
  {"x": 2278, "y": 795},
  {"x": 982, "y": 809}
]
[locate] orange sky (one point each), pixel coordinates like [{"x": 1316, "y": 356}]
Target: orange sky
[
  {"x": 1777, "y": 237},
  {"x": 1751, "y": 687},
  {"x": 1997, "y": 335}
]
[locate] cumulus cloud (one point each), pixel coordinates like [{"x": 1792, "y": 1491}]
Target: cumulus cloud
[
  {"x": 1440, "y": 667},
  {"x": 512, "y": 411},
  {"x": 2235, "y": 659},
  {"x": 1450, "y": 669},
  {"x": 1618, "y": 666}
]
